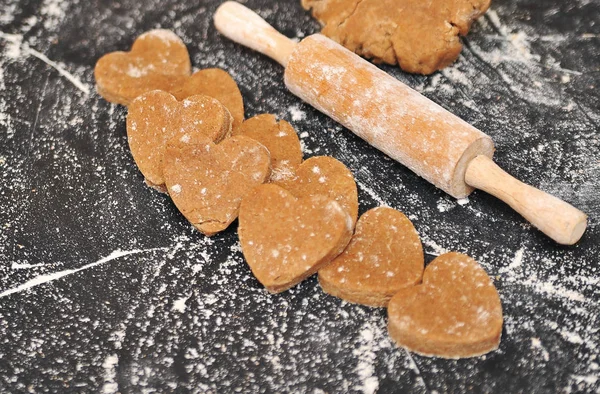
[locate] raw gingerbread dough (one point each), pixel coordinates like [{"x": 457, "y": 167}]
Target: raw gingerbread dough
[
  {"x": 215, "y": 83},
  {"x": 287, "y": 239},
  {"x": 207, "y": 182},
  {"x": 421, "y": 36},
  {"x": 326, "y": 176},
  {"x": 384, "y": 256},
  {"x": 158, "y": 60},
  {"x": 281, "y": 140},
  {"x": 455, "y": 313},
  {"x": 156, "y": 117}
]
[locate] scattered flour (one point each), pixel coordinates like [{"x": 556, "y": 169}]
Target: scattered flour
[
  {"x": 110, "y": 373},
  {"x": 42, "y": 279},
  {"x": 445, "y": 205},
  {"x": 53, "y": 12},
  {"x": 517, "y": 261},
  {"x": 179, "y": 305},
  {"x": 366, "y": 355},
  {"x": 296, "y": 113},
  {"x": 16, "y": 49}
]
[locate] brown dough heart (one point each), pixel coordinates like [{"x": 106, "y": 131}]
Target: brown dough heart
[
  {"x": 156, "y": 117},
  {"x": 384, "y": 256},
  {"x": 158, "y": 60},
  {"x": 421, "y": 36},
  {"x": 215, "y": 83},
  {"x": 287, "y": 239},
  {"x": 207, "y": 182},
  {"x": 281, "y": 140},
  {"x": 324, "y": 175},
  {"x": 455, "y": 313}
]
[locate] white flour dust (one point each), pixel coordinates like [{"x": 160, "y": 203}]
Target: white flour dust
[{"x": 42, "y": 279}]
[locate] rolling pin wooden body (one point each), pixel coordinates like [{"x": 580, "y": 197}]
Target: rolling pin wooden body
[
  {"x": 386, "y": 113},
  {"x": 408, "y": 127}
]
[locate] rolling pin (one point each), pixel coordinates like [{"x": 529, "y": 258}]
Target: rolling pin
[{"x": 408, "y": 127}]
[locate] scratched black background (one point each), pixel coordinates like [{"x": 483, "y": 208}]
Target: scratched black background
[{"x": 188, "y": 316}]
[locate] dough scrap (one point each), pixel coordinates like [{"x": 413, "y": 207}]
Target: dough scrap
[
  {"x": 281, "y": 140},
  {"x": 215, "y": 83},
  {"x": 158, "y": 60},
  {"x": 420, "y": 36},
  {"x": 287, "y": 239},
  {"x": 384, "y": 256},
  {"x": 326, "y": 176},
  {"x": 455, "y": 313},
  {"x": 156, "y": 117},
  {"x": 207, "y": 182}
]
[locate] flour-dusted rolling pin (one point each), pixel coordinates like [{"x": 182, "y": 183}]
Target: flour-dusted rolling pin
[{"x": 434, "y": 143}]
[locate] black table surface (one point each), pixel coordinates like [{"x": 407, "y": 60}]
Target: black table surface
[{"x": 105, "y": 287}]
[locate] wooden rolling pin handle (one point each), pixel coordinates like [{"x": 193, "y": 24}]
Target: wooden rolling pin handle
[
  {"x": 557, "y": 219},
  {"x": 245, "y": 27}
]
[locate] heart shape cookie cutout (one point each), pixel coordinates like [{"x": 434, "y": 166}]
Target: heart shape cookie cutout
[
  {"x": 384, "y": 256},
  {"x": 158, "y": 60},
  {"x": 207, "y": 182},
  {"x": 325, "y": 176},
  {"x": 455, "y": 313},
  {"x": 281, "y": 140},
  {"x": 287, "y": 239},
  {"x": 218, "y": 84},
  {"x": 157, "y": 117}
]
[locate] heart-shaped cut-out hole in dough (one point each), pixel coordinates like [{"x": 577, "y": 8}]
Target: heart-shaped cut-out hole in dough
[
  {"x": 384, "y": 256},
  {"x": 421, "y": 36},
  {"x": 218, "y": 84},
  {"x": 156, "y": 117},
  {"x": 158, "y": 60},
  {"x": 455, "y": 313},
  {"x": 286, "y": 239},
  {"x": 325, "y": 176},
  {"x": 281, "y": 140},
  {"x": 207, "y": 182}
]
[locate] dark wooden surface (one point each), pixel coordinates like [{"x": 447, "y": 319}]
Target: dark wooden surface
[{"x": 183, "y": 312}]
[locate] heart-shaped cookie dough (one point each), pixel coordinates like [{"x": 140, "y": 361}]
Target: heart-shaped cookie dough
[
  {"x": 156, "y": 117},
  {"x": 421, "y": 36},
  {"x": 384, "y": 256},
  {"x": 326, "y": 176},
  {"x": 158, "y": 60},
  {"x": 281, "y": 140},
  {"x": 286, "y": 239},
  {"x": 207, "y": 182},
  {"x": 455, "y": 313},
  {"x": 218, "y": 84}
]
